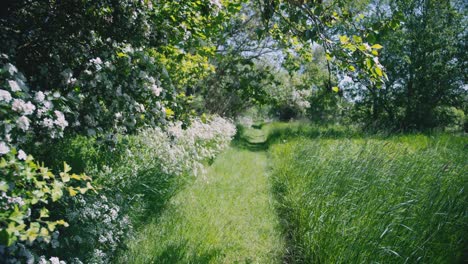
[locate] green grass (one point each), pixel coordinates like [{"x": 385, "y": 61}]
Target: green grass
[
  {"x": 400, "y": 199},
  {"x": 225, "y": 217}
]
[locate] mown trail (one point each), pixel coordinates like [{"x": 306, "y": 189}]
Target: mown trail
[{"x": 226, "y": 216}]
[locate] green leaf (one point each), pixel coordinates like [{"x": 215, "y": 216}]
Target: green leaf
[
  {"x": 17, "y": 216},
  {"x": 377, "y": 46},
  {"x": 344, "y": 39},
  {"x": 378, "y": 71},
  {"x": 66, "y": 167},
  {"x": 3, "y": 186},
  {"x": 6, "y": 238},
  {"x": 44, "y": 213},
  {"x": 335, "y": 89}
]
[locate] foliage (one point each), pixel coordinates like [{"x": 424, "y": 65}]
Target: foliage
[
  {"x": 384, "y": 199},
  {"x": 424, "y": 57},
  {"x": 300, "y": 24},
  {"x": 27, "y": 190}
]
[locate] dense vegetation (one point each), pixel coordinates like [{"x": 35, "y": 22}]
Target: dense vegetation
[
  {"x": 113, "y": 114},
  {"x": 385, "y": 199}
]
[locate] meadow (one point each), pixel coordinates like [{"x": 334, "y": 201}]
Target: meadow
[{"x": 362, "y": 199}]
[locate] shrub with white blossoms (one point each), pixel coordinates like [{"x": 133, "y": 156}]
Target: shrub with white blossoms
[
  {"x": 26, "y": 113},
  {"x": 27, "y": 188},
  {"x": 122, "y": 91},
  {"x": 97, "y": 229},
  {"x": 185, "y": 150}
]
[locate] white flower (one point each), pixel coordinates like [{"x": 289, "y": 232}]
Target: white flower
[
  {"x": 48, "y": 123},
  {"x": 96, "y": 61},
  {"x": 18, "y": 105},
  {"x": 56, "y": 95},
  {"x": 140, "y": 108},
  {"x": 48, "y": 104},
  {"x": 39, "y": 97},
  {"x": 14, "y": 86},
  {"x": 42, "y": 260},
  {"x": 216, "y": 3},
  {"x": 23, "y": 123},
  {"x": 21, "y": 107},
  {"x": 5, "y": 96},
  {"x": 156, "y": 90},
  {"x": 54, "y": 260},
  {"x": 367, "y": 46},
  {"x": 22, "y": 155},
  {"x": 4, "y": 149},
  {"x": 60, "y": 121},
  {"x": 376, "y": 60}
]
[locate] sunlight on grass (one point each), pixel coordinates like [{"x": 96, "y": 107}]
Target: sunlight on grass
[
  {"x": 226, "y": 217},
  {"x": 399, "y": 199}
]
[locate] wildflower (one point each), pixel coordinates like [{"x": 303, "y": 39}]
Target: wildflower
[
  {"x": 61, "y": 122},
  {"x": 39, "y": 97},
  {"x": 96, "y": 61},
  {"x": 21, "y": 107},
  {"x": 216, "y": 3},
  {"x": 5, "y": 96},
  {"x": 54, "y": 260},
  {"x": 48, "y": 104},
  {"x": 4, "y": 149},
  {"x": 48, "y": 123},
  {"x": 22, "y": 155},
  {"x": 23, "y": 123},
  {"x": 156, "y": 90},
  {"x": 14, "y": 86}
]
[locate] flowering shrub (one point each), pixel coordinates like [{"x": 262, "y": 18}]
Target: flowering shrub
[
  {"x": 116, "y": 93},
  {"x": 97, "y": 229},
  {"x": 26, "y": 114},
  {"x": 185, "y": 150}
]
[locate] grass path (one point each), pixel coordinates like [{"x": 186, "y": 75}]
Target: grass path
[{"x": 225, "y": 217}]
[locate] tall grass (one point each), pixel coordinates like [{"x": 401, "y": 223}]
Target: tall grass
[{"x": 396, "y": 200}]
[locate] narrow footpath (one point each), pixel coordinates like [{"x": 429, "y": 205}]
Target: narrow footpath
[{"x": 227, "y": 216}]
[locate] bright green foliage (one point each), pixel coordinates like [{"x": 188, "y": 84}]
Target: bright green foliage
[
  {"x": 27, "y": 190},
  {"x": 332, "y": 25},
  {"x": 424, "y": 55},
  {"x": 391, "y": 200}
]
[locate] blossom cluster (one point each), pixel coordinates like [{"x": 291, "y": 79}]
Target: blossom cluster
[
  {"x": 185, "y": 150},
  {"x": 125, "y": 100},
  {"x": 25, "y": 112},
  {"x": 300, "y": 99},
  {"x": 97, "y": 228}
]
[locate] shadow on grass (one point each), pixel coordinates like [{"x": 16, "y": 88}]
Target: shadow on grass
[
  {"x": 277, "y": 132},
  {"x": 178, "y": 253}
]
